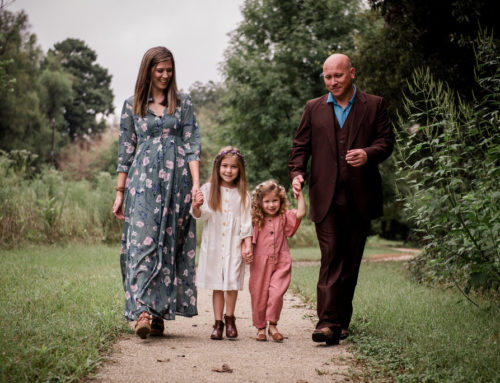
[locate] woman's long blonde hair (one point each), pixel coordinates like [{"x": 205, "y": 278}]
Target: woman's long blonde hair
[
  {"x": 258, "y": 215},
  {"x": 151, "y": 58},
  {"x": 214, "y": 200}
]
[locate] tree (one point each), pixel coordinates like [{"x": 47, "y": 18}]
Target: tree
[
  {"x": 207, "y": 100},
  {"x": 56, "y": 90},
  {"x": 22, "y": 125},
  {"x": 93, "y": 97},
  {"x": 407, "y": 34},
  {"x": 272, "y": 66}
]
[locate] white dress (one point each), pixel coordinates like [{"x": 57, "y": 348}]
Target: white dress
[{"x": 220, "y": 266}]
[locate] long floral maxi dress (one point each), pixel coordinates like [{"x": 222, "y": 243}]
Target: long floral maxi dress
[{"x": 159, "y": 235}]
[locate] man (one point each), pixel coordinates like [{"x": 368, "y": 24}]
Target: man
[{"x": 346, "y": 133}]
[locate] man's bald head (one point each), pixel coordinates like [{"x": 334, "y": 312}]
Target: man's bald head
[{"x": 338, "y": 60}]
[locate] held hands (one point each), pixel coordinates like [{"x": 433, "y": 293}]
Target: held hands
[
  {"x": 198, "y": 199},
  {"x": 356, "y": 157},
  {"x": 195, "y": 190},
  {"x": 247, "y": 251},
  {"x": 297, "y": 185}
]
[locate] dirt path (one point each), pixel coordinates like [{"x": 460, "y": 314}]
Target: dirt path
[{"x": 186, "y": 354}]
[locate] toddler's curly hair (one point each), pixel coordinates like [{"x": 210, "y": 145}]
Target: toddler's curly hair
[{"x": 258, "y": 215}]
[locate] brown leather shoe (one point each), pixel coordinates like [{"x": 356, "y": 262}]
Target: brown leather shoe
[
  {"x": 344, "y": 333},
  {"x": 330, "y": 335},
  {"x": 157, "y": 327},
  {"x": 277, "y": 337},
  {"x": 231, "y": 331},
  {"x": 218, "y": 330},
  {"x": 261, "y": 337},
  {"x": 142, "y": 326}
]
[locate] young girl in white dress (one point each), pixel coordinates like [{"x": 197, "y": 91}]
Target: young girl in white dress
[{"x": 223, "y": 205}]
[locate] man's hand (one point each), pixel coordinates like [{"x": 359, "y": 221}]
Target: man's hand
[
  {"x": 356, "y": 157},
  {"x": 297, "y": 185}
]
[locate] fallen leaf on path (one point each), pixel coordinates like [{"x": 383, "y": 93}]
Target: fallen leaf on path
[
  {"x": 163, "y": 360},
  {"x": 225, "y": 368}
]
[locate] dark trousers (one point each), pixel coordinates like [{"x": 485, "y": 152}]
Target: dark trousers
[{"x": 342, "y": 236}]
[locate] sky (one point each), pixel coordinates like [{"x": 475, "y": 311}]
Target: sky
[{"x": 121, "y": 31}]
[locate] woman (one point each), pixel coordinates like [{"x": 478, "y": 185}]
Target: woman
[{"x": 158, "y": 169}]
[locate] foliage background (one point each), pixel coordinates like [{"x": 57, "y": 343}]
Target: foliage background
[{"x": 58, "y": 160}]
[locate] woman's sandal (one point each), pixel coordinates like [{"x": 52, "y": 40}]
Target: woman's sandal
[
  {"x": 157, "y": 326},
  {"x": 261, "y": 337},
  {"x": 142, "y": 326},
  {"x": 277, "y": 337}
]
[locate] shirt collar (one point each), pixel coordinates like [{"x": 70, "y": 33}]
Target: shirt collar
[{"x": 332, "y": 100}]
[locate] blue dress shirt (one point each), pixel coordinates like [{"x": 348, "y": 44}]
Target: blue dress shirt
[{"x": 341, "y": 113}]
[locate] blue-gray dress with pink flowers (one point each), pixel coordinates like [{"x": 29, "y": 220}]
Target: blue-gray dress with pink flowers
[{"x": 159, "y": 235}]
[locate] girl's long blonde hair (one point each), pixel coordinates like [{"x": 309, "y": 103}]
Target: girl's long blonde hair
[
  {"x": 258, "y": 215},
  {"x": 214, "y": 200},
  {"x": 142, "y": 92}
]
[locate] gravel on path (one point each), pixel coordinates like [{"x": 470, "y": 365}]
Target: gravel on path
[{"x": 186, "y": 354}]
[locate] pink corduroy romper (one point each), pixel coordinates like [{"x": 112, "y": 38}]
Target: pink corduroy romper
[{"x": 271, "y": 269}]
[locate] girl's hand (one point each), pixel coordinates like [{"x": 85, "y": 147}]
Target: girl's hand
[
  {"x": 117, "y": 206},
  {"x": 198, "y": 199},
  {"x": 247, "y": 256},
  {"x": 247, "y": 252}
]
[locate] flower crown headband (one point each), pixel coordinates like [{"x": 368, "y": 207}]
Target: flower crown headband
[{"x": 225, "y": 152}]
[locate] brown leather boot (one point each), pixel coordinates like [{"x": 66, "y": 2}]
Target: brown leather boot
[
  {"x": 231, "y": 331},
  {"x": 218, "y": 330}
]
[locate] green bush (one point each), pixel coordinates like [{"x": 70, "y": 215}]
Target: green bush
[
  {"x": 48, "y": 207},
  {"x": 448, "y": 156}
]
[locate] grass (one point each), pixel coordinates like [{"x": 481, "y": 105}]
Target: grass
[
  {"x": 406, "y": 332},
  {"x": 60, "y": 309},
  {"x": 373, "y": 246}
]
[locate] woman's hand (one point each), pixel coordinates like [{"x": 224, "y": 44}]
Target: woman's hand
[
  {"x": 198, "y": 199},
  {"x": 117, "y": 206},
  {"x": 195, "y": 190}
]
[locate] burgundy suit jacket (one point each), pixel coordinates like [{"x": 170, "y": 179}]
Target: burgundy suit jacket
[{"x": 369, "y": 129}]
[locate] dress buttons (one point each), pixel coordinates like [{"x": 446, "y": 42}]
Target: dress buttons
[{"x": 223, "y": 234}]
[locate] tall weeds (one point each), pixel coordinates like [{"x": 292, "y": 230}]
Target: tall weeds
[
  {"x": 45, "y": 206},
  {"x": 449, "y": 156}
]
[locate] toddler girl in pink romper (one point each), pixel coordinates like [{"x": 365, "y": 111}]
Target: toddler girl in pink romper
[{"x": 271, "y": 268}]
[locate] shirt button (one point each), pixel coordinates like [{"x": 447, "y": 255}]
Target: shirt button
[
  {"x": 223, "y": 234},
  {"x": 271, "y": 233}
]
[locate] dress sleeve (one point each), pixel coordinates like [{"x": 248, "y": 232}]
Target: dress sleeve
[
  {"x": 246, "y": 219},
  {"x": 127, "y": 139},
  {"x": 205, "y": 209},
  {"x": 190, "y": 132},
  {"x": 255, "y": 236},
  {"x": 291, "y": 222}
]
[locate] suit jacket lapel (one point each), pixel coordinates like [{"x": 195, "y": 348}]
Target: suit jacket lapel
[
  {"x": 357, "y": 111},
  {"x": 326, "y": 115}
]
